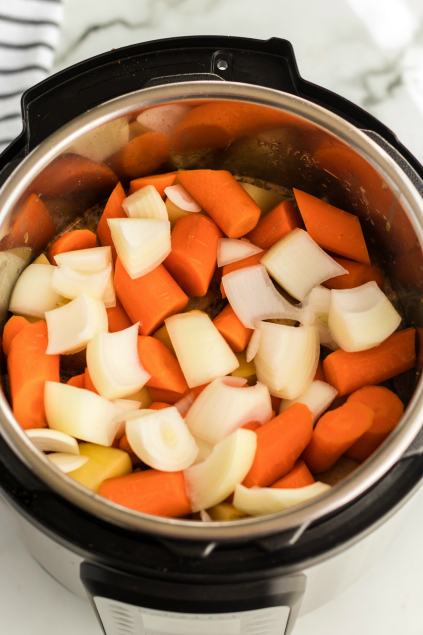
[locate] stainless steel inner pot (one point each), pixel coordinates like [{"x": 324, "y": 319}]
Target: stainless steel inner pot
[{"x": 280, "y": 139}]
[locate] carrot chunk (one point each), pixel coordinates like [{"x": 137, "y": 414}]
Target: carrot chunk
[
  {"x": 275, "y": 225},
  {"x": 332, "y": 228},
  {"x": 223, "y": 198},
  {"x": 358, "y": 274},
  {"x": 29, "y": 368},
  {"x": 150, "y": 492},
  {"x": 78, "y": 381},
  {"x": 388, "y": 410},
  {"x": 164, "y": 368},
  {"x": 160, "y": 182},
  {"x": 299, "y": 476},
  {"x": 250, "y": 261},
  {"x": 13, "y": 326},
  {"x": 232, "y": 329},
  {"x": 165, "y": 396},
  {"x": 141, "y": 155},
  {"x": 348, "y": 372},
  {"x": 149, "y": 299},
  {"x": 280, "y": 443},
  {"x": 159, "y": 405},
  {"x": 118, "y": 318},
  {"x": 113, "y": 209},
  {"x": 193, "y": 258},
  {"x": 33, "y": 226},
  {"x": 334, "y": 433},
  {"x": 71, "y": 241}
]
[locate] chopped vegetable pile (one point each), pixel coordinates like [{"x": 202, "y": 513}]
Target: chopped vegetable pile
[{"x": 245, "y": 408}]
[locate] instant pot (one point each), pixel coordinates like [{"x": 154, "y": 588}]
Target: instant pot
[{"x": 146, "y": 575}]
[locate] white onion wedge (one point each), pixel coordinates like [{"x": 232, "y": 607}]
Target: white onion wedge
[
  {"x": 70, "y": 283},
  {"x": 287, "y": 358},
  {"x": 211, "y": 481},
  {"x": 298, "y": 264},
  {"x": 253, "y": 345},
  {"x": 204, "y": 449},
  {"x": 222, "y": 408},
  {"x": 182, "y": 198},
  {"x": 253, "y": 297},
  {"x": 316, "y": 312},
  {"x": 73, "y": 325},
  {"x": 145, "y": 203},
  {"x": 141, "y": 243},
  {"x": 257, "y": 501},
  {"x": 67, "y": 462},
  {"x": 102, "y": 142},
  {"x": 185, "y": 403},
  {"x": 161, "y": 439},
  {"x": 232, "y": 249},
  {"x": 48, "y": 440},
  {"x": 33, "y": 294},
  {"x": 163, "y": 118},
  {"x": 125, "y": 406},
  {"x": 80, "y": 413},
  {"x": 318, "y": 397},
  {"x": 11, "y": 266},
  {"x": 201, "y": 350},
  {"x": 362, "y": 317},
  {"x": 114, "y": 364}
]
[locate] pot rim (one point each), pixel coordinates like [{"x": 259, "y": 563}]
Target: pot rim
[{"x": 293, "y": 521}]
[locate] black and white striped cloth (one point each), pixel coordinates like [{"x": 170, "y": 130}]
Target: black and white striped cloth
[{"x": 29, "y": 33}]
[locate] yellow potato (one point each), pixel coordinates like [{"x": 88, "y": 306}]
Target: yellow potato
[{"x": 103, "y": 462}]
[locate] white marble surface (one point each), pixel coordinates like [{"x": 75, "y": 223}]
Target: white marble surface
[{"x": 370, "y": 51}]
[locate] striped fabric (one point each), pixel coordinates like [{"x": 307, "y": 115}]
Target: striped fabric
[{"x": 29, "y": 33}]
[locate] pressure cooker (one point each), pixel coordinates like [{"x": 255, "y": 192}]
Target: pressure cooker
[{"x": 149, "y": 575}]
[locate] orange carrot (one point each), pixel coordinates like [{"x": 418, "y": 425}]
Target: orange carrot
[
  {"x": 280, "y": 442},
  {"x": 275, "y": 225},
  {"x": 250, "y": 261},
  {"x": 348, "y": 372},
  {"x": 88, "y": 382},
  {"x": 299, "y": 476},
  {"x": 117, "y": 318},
  {"x": 388, "y": 410},
  {"x": 150, "y": 492},
  {"x": 319, "y": 375},
  {"x": 141, "y": 155},
  {"x": 276, "y": 402},
  {"x": 419, "y": 346},
  {"x": 113, "y": 209},
  {"x": 165, "y": 396},
  {"x": 192, "y": 260},
  {"x": 158, "y": 405},
  {"x": 163, "y": 367},
  {"x": 72, "y": 173},
  {"x": 78, "y": 381},
  {"x": 251, "y": 425},
  {"x": 123, "y": 444},
  {"x": 160, "y": 182},
  {"x": 13, "y": 326},
  {"x": 334, "y": 433},
  {"x": 332, "y": 228},
  {"x": 71, "y": 241},
  {"x": 232, "y": 329},
  {"x": 223, "y": 198},
  {"x": 29, "y": 368},
  {"x": 149, "y": 299},
  {"x": 33, "y": 226},
  {"x": 358, "y": 274}
]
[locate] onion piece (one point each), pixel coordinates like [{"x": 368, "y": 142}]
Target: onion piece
[
  {"x": 80, "y": 413},
  {"x": 73, "y": 325},
  {"x": 257, "y": 501},
  {"x": 204, "y": 449},
  {"x": 33, "y": 294},
  {"x": 316, "y": 312},
  {"x": 47, "y": 440},
  {"x": 162, "y": 440},
  {"x": 163, "y": 118},
  {"x": 232, "y": 249},
  {"x": 201, "y": 350},
  {"x": 71, "y": 283},
  {"x": 253, "y": 345},
  {"x": 253, "y": 297},
  {"x": 298, "y": 264},
  {"x": 103, "y": 141},
  {"x": 182, "y": 198},
  {"x": 141, "y": 243},
  {"x": 221, "y": 408},
  {"x": 185, "y": 402},
  {"x": 211, "y": 481},
  {"x": 125, "y": 406},
  {"x": 362, "y": 317},
  {"x": 67, "y": 462},
  {"x": 287, "y": 358},
  {"x": 318, "y": 397},
  {"x": 145, "y": 203},
  {"x": 114, "y": 364}
]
